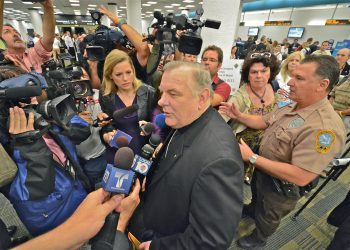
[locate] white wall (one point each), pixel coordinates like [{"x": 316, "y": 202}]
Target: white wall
[{"x": 305, "y": 17}]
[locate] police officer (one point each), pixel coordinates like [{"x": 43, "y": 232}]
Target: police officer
[{"x": 301, "y": 137}]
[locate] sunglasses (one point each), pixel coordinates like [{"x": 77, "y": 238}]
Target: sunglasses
[{"x": 264, "y": 54}]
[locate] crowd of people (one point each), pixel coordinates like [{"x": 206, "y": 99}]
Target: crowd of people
[{"x": 277, "y": 133}]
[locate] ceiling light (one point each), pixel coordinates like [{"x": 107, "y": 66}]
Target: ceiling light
[
  {"x": 92, "y": 5},
  {"x": 190, "y": 6},
  {"x": 122, "y": 7},
  {"x": 188, "y": 1},
  {"x": 168, "y": 6},
  {"x": 27, "y": 2},
  {"x": 74, "y": 1},
  {"x": 75, "y": 4},
  {"x": 8, "y": 2},
  {"x": 146, "y": 4},
  {"x": 37, "y": 7},
  {"x": 150, "y": 2},
  {"x": 176, "y": 4}
]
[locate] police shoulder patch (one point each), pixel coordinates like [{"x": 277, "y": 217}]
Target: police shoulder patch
[{"x": 324, "y": 141}]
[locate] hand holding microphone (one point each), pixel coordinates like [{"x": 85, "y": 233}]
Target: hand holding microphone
[{"x": 146, "y": 128}]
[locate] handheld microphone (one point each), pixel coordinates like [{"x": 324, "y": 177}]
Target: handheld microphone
[
  {"x": 147, "y": 128},
  {"x": 160, "y": 120},
  {"x": 117, "y": 179},
  {"x": 114, "y": 141},
  {"x": 142, "y": 164},
  {"x": 118, "y": 114}
]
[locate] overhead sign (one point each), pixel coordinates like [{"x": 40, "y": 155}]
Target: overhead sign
[
  {"x": 278, "y": 23},
  {"x": 338, "y": 22},
  {"x": 72, "y": 20}
]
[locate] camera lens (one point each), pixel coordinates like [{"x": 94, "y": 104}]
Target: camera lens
[{"x": 42, "y": 109}]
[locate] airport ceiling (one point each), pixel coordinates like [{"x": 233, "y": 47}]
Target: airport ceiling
[{"x": 16, "y": 9}]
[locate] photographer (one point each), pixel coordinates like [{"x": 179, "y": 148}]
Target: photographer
[{"x": 28, "y": 58}]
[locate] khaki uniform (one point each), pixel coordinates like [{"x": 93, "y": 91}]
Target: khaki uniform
[{"x": 308, "y": 138}]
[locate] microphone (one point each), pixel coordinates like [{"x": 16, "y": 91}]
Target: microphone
[
  {"x": 142, "y": 163},
  {"x": 115, "y": 142},
  {"x": 117, "y": 179},
  {"x": 118, "y": 114},
  {"x": 20, "y": 92},
  {"x": 122, "y": 141},
  {"x": 160, "y": 120},
  {"x": 147, "y": 128}
]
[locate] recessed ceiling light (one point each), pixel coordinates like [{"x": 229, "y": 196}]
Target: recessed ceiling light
[
  {"x": 200, "y": 2},
  {"x": 27, "y": 2},
  {"x": 74, "y": 1},
  {"x": 122, "y": 7},
  {"x": 168, "y": 6},
  {"x": 176, "y": 4},
  {"x": 75, "y": 4},
  {"x": 8, "y": 2},
  {"x": 37, "y": 7},
  {"x": 188, "y": 1},
  {"x": 190, "y": 6},
  {"x": 150, "y": 2},
  {"x": 92, "y": 5},
  {"x": 146, "y": 4},
  {"x": 157, "y": 9}
]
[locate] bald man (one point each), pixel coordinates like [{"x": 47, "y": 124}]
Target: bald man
[{"x": 342, "y": 57}]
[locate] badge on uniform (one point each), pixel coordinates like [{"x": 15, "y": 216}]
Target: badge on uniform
[
  {"x": 324, "y": 141},
  {"x": 296, "y": 123}
]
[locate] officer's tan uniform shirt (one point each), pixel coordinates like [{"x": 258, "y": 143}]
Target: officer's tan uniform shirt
[{"x": 308, "y": 138}]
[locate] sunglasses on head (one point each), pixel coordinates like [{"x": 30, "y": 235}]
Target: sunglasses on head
[{"x": 263, "y": 54}]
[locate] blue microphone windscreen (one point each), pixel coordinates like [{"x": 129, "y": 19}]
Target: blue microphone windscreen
[{"x": 160, "y": 120}]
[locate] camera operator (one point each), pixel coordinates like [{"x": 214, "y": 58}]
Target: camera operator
[
  {"x": 49, "y": 175},
  {"x": 28, "y": 58},
  {"x": 139, "y": 59}
]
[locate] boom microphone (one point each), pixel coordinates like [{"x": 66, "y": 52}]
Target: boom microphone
[
  {"x": 118, "y": 114},
  {"x": 20, "y": 92}
]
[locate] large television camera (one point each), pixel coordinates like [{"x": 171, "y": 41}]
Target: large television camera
[
  {"x": 104, "y": 39},
  {"x": 169, "y": 27},
  {"x": 64, "y": 78},
  {"x": 18, "y": 90}
]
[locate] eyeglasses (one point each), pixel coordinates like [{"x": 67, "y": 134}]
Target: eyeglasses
[
  {"x": 264, "y": 54},
  {"x": 204, "y": 59}
]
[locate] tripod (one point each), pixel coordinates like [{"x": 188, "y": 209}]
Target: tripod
[{"x": 338, "y": 167}]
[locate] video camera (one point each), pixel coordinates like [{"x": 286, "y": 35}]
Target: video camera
[
  {"x": 190, "y": 41},
  {"x": 20, "y": 89},
  {"x": 103, "y": 40},
  {"x": 64, "y": 78}
]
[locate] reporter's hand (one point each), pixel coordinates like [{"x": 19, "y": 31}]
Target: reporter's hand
[
  {"x": 145, "y": 245},
  {"x": 128, "y": 206},
  {"x": 89, "y": 217},
  {"x": 108, "y": 136},
  {"x": 141, "y": 123},
  {"x": 102, "y": 116},
  {"x": 230, "y": 110},
  {"x": 18, "y": 121},
  {"x": 246, "y": 151}
]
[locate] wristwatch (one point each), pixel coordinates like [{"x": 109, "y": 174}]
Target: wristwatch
[
  {"x": 253, "y": 158},
  {"x": 121, "y": 22}
]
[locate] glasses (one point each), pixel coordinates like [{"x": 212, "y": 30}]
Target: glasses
[
  {"x": 264, "y": 54},
  {"x": 204, "y": 59}
]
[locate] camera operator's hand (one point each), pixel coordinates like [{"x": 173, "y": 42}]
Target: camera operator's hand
[
  {"x": 114, "y": 18},
  {"x": 86, "y": 116},
  {"x": 18, "y": 121}
]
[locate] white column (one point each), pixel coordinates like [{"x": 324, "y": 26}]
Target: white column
[
  {"x": 37, "y": 22},
  {"x": 134, "y": 14},
  {"x": 229, "y": 16},
  {"x": 113, "y": 7}
]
